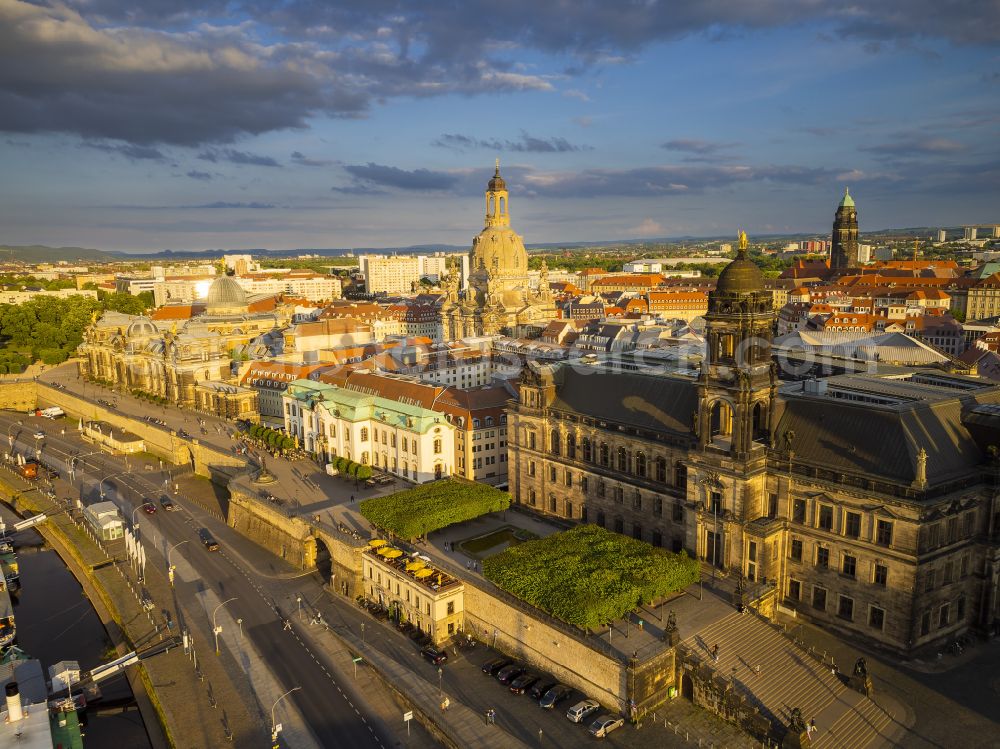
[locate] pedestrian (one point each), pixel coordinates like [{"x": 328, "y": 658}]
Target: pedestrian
[
  {"x": 812, "y": 728},
  {"x": 468, "y": 565},
  {"x": 715, "y": 653},
  {"x": 757, "y": 669},
  {"x": 352, "y": 497}
]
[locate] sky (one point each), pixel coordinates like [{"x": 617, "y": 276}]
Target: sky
[{"x": 174, "y": 124}]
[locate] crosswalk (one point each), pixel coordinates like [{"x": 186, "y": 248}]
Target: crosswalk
[{"x": 777, "y": 676}]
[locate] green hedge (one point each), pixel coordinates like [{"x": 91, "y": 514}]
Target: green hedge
[
  {"x": 432, "y": 506},
  {"x": 589, "y": 576}
]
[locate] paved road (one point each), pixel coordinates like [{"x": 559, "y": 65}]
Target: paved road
[{"x": 332, "y": 715}]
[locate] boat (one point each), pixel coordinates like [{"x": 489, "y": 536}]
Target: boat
[
  {"x": 7, "y": 629},
  {"x": 8, "y": 564}
]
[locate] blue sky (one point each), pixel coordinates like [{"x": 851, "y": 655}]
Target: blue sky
[{"x": 178, "y": 125}]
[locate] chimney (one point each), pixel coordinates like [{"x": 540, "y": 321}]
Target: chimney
[{"x": 14, "y": 711}]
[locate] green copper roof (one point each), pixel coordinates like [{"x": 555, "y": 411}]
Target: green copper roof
[
  {"x": 355, "y": 406},
  {"x": 847, "y": 201}
]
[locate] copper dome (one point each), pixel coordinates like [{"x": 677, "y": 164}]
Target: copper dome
[{"x": 742, "y": 276}]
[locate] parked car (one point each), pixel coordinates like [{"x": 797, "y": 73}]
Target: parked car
[
  {"x": 435, "y": 656},
  {"x": 523, "y": 683},
  {"x": 493, "y": 666},
  {"x": 507, "y": 674},
  {"x": 209, "y": 542},
  {"x": 39, "y": 435},
  {"x": 541, "y": 687},
  {"x": 605, "y": 724},
  {"x": 167, "y": 505},
  {"x": 554, "y": 696},
  {"x": 183, "y": 434},
  {"x": 583, "y": 710},
  {"x": 149, "y": 508},
  {"x": 147, "y": 602}
]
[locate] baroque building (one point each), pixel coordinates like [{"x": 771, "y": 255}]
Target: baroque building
[
  {"x": 868, "y": 504},
  {"x": 498, "y": 298},
  {"x": 844, "y": 249},
  {"x": 186, "y": 361}
]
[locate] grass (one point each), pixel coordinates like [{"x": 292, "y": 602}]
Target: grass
[{"x": 509, "y": 535}]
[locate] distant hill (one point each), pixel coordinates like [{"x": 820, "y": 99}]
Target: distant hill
[{"x": 37, "y": 253}]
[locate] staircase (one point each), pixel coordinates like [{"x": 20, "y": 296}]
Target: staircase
[{"x": 789, "y": 677}]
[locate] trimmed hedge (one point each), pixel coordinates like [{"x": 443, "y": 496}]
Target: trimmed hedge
[
  {"x": 589, "y": 576},
  {"x": 429, "y": 507}
]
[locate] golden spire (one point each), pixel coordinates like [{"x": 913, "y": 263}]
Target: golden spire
[{"x": 498, "y": 165}]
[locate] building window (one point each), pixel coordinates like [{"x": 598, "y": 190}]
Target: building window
[
  {"x": 826, "y": 517},
  {"x": 822, "y": 557},
  {"x": 876, "y": 617},
  {"x": 658, "y": 506},
  {"x": 552, "y": 473},
  {"x": 661, "y": 470},
  {"x": 552, "y": 503},
  {"x": 852, "y": 528},
  {"x": 797, "y": 549},
  {"x": 531, "y": 497},
  {"x": 883, "y": 533},
  {"x": 571, "y": 446},
  {"x": 881, "y": 575},
  {"x": 678, "y": 513},
  {"x": 850, "y": 566},
  {"x": 944, "y": 615},
  {"x": 605, "y": 453},
  {"x": 554, "y": 442},
  {"x": 531, "y": 468},
  {"x": 619, "y": 494},
  {"x": 569, "y": 510},
  {"x": 437, "y": 447},
  {"x": 819, "y": 598},
  {"x": 845, "y": 608},
  {"x": 569, "y": 479},
  {"x": 364, "y": 434},
  {"x": 637, "y": 531},
  {"x": 587, "y": 452},
  {"x": 531, "y": 440},
  {"x": 960, "y": 609},
  {"x": 715, "y": 503},
  {"x": 622, "y": 460},
  {"x": 795, "y": 590},
  {"x": 970, "y": 524},
  {"x": 619, "y": 525},
  {"x": 640, "y": 465},
  {"x": 584, "y": 484},
  {"x": 681, "y": 477},
  {"x": 637, "y": 501}
]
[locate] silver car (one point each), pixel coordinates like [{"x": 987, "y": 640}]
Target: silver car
[
  {"x": 583, "y": 710},
  {"x": 605, "y": 725}
]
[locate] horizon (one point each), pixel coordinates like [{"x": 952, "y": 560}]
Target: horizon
[{"x": 286, "y": 127}]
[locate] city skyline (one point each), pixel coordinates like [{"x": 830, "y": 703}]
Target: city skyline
[{"x": 245, "y": 126}]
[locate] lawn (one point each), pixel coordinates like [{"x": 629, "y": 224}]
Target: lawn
[
  {"x": 429, "y": 507},
  {"x": 589, "y": 576}
]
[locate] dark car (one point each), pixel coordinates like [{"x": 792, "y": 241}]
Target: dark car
[
  {"x": 435, "y": 656},
  {"x": 541, "y": 687},
  {"x": 507, "y": 674},
  {"x": 149, "y": 508},
  {"x": 523, "y": 683},
  {"x": 492, "y": 667},
  {"x": 183, "y": 434},
  {"x": 554, "y": 696},
  {"x": 208, "y": 540},
  {"x": 167, "y": 505}
]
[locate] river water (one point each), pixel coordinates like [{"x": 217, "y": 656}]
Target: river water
[{"x": 56, "y": 622}]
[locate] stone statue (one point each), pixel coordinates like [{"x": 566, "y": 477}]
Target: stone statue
[
  {"x": 671, "y": 621},
  {"x": 694, "y": 423},
  {"x": 920, "y": 479},
  {"x": 861, "y": 667},
  {"x": 796, "y": 724},
  {"x": 861, "y": 680}
]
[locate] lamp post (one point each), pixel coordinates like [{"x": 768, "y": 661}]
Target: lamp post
[
  {"x": 100, "y": 486},
  {"x": 135, "y": 523},
  {"x": 276, "y": 727},
  {"x": 216, "y": 629},
  {"x": 440, "y": 686},
  {"x": 10, "y": 437},
  {"x": 362, "y": 634},
  {"x": 170, "y": 567}
]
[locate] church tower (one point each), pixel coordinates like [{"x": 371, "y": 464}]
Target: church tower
[
  {"x": 737, "y": 384},
  {"x": 844, "y": 249},
  {"x": 497, "y": 201}
]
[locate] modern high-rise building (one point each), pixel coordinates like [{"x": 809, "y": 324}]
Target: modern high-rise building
[{"x": 844, "y": 252}]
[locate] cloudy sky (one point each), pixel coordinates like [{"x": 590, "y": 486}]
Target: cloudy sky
[{"x": 174, "y": 124}]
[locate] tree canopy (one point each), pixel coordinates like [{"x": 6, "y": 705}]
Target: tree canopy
[
  {"x": 432, "y": 506},
  {"x": 589, "y": 576}
]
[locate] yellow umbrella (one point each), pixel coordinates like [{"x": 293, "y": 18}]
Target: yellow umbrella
[
  {"x": 411, "y": 566},
  {"x": 376, "y": 542},
  {"x": 384, "y": 551},
  {"x": 424, "y": 573},
  {"x": 393, "y": 554}
]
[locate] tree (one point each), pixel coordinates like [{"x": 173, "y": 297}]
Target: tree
[{"x": 364, "y": 473}]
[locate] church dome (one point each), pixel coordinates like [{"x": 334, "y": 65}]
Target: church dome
[
  {"x": 497, "y": 183},
  {"x": 742, "y": 276},
  {"x": 141, "y": 327},
  {"x": 501, "y": 251},
  {"x": 225, "y": 296}
]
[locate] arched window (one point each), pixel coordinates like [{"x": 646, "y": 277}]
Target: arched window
[
  {"x": 552, "y": 503},
  {"x": 681, "y": 476},
  {"x": 489, "y": 421},
  {"x": 554, "y": 442},
  {"x": 622, "y": 459},
  {"x": 437, "y": 447},
  {"x": 475, "y": 423},
  {"x": 588, "y": 454},
  {"x": 364, "y": 434},
  {"x": 364, "y": 458},
  {"x": 640, "y": 465},
  {"x": 661, "y": 470},
  {"x": 503, "y": 205},
  {"x": 605, "y": 455},
  {"x": 492, "y": 205},
  {"x": 571, "y": 446}
]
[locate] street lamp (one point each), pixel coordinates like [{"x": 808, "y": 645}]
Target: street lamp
[
  {"x": 216, "y": 629},
  {"x": 135, "y": 523},
  {"x": 440, "y": 687},
  {"x": 170, "y": 567},
  {"x": 100, "y": 486},
  {"x": 10, "y": 437},
  {"x": 276, "y": 727}
]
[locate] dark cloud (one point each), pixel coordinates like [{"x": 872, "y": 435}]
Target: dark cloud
[
  {"x": 400, "y": 179},
  {"x": 224, "y": 204},
  {"x": 524, "y": 144},
  {"x": 130, "y": 151},
  {"x": 203, "y": 176},
  {"x": 359, "y": 190},
  {"x": 215, "y": 155},
  {"x": 160, "y": 72},
  {"x": 694, "y": 145},
  {"x": 301, "y": 160},
  {"x": 906, "y": 145}
]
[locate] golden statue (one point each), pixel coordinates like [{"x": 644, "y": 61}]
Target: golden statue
[{"x": 743, "y": 240}]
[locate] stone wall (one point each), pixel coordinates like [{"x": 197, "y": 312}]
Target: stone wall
[
  {"x": 524, "y": 636},
  {"x": 282, "y": 536},
  {"x": 18, "y": 395}
]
